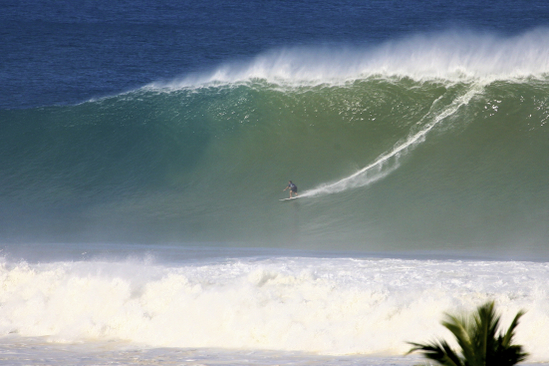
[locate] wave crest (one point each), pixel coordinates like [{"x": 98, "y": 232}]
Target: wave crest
[{"x": 452, "y": 55}]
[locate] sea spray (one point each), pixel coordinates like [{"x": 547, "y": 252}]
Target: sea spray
[{"x": 454, "y": 55}]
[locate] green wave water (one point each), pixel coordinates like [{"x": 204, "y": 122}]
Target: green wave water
[{"x": 382, "y": 164}]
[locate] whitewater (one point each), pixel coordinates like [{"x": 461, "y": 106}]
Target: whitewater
[{"x": 328, "y": 306}]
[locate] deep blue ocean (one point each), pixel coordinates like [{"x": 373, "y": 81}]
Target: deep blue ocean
[{"x": 145, "y": 146}]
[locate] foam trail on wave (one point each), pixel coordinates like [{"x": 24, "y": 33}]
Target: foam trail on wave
[{"x": 388, "y": 162}]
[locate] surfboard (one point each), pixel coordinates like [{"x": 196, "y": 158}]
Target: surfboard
[{"x": 288, "y": 199}]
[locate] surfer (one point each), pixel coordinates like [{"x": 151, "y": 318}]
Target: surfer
[{"x": 292, "y": 187}]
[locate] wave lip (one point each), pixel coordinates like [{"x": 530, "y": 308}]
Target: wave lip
[{"x": 451, "y": 55}]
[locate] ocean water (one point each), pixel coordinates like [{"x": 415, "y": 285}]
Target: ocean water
[{"x": 144, "y": 149}]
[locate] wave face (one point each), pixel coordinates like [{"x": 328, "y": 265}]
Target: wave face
[{"x": 407, "y": 146}]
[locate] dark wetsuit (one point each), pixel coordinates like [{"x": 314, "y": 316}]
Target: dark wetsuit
[{"x": 292, "y": 187}]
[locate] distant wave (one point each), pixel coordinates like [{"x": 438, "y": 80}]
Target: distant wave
[{"x": 451, "y": 55}]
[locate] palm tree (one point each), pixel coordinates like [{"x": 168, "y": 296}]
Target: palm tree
[{"x": 478, "y": 341}]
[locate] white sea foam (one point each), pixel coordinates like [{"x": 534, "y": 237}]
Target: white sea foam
[
  {"x": 325, "y": 305},
  {"x": 452, "y": 55}
]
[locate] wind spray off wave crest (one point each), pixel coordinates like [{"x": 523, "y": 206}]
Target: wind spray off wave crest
[{"x": 451, "y": 55}]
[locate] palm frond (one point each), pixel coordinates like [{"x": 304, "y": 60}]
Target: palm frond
[
  {"x": 477, "y": 336},
  {"x": 439, "y": 352},
  {"x": 460, "y": 328},
  {"x": 486, "y": 326},
  {"x": 508, "y": 338}
]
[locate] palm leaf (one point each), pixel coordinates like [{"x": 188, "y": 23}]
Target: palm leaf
[
  {"x": 511, "y": 331},
  {"x": 478, "y": 339},
  {"x": 460, "y": 328},
  {"x": 439, "y": 352}
]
